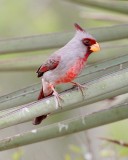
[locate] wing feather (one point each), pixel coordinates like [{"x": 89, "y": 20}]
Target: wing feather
[{"x": 50, "y": 64}]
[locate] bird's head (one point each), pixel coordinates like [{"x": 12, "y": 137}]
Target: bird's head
[{"x": 86, "y": 39}]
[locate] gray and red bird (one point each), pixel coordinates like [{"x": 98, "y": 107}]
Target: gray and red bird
[{"x": 64, "y": 65}]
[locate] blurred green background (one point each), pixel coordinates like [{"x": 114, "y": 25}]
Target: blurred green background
[{"x": 30, "y": 17}]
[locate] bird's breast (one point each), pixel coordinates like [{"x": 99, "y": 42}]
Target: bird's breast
[{"x": 72, "y": 72}]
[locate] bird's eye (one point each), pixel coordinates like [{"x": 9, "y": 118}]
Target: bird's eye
[{"x": 86, "y": 42}]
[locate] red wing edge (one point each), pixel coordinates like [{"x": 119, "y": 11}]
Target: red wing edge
[{"x": 51, "y": 64}]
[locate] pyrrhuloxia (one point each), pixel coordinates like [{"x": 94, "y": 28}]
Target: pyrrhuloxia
[{"x": 65, "y": 65}]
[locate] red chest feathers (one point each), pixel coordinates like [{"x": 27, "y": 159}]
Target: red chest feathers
[{"x": 73, "y": 72}]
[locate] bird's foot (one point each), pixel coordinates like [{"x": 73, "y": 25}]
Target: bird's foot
[
  {"x": 58, "y": 99},
  {"x": 80, "y": 87}
]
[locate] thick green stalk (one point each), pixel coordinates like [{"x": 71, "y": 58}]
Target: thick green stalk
[
  {"x": 21, "y": 63},
  {"x": 83, "y": 122},
  {"x": 99, "y": 89},
  {"x": 30, "y": 94},
  {"x": 56, "y": 40},
  {"x": 113, "y": 5}
]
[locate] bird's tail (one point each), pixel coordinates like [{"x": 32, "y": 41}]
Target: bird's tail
[{"x": 39, "y": 119}]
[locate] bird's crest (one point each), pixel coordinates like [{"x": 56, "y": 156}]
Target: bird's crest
[
  {"x": 81, "y": 33},
  {"x": 78, "y": 28}
]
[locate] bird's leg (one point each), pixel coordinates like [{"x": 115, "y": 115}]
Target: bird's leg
[
  {"x": 80, "y": 87},
  {"x": 57, "y": 96}
]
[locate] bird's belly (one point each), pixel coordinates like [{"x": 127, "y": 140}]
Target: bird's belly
[{"x": 72, "y": 72}]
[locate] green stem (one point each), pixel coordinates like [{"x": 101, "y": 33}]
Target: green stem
[
  {"x": 108, "y": 52},
  {"x": 117, "y": 6},
  {"x": 84, "y": 122},
  {"x": 30, "y": 93},
  {"x": 56, "y": 40},
  {"x": 99, "y": 89}
]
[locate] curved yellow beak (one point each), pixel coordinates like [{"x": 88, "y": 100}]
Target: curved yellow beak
[{"x": 95, "y": 47}]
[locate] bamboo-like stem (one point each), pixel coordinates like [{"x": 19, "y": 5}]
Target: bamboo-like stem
[
  {"x": 105, "y": 87},
  {"x": 108, "y": 52},
  {"x": 117, "y": 6},
  {"x": 106, "y": 17},
  {"x": 84, "y": 122},
  {"x": 30, "y": 93},
  {"x": 55, "y": 40}
]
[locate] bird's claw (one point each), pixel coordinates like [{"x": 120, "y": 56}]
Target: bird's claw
[
  {"x": 81, "y": 88},
  {"x": 58, "y": 99}
]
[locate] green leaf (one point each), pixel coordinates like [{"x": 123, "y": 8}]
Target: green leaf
[
  {"x": 75, "y": 149},
  {"x": 17, "y": 155},
  {"x": 67, "y": 157}
]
